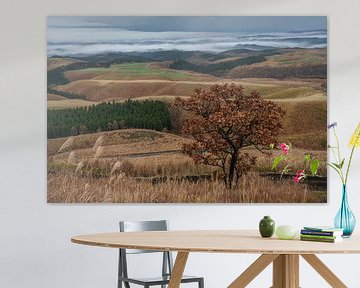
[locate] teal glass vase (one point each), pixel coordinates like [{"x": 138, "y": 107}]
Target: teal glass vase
[{"x": 345, "y": 219}]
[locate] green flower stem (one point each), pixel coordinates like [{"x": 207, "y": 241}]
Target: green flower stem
[
  {"x": 339, "y": 171},
  {"x": 334, "y": 154},
  {"x": 339, "y": 155},
  {"x": 338, "y": 145},
  {"x": 351, "y": 156},
  {"x": 348, "y": 167}
]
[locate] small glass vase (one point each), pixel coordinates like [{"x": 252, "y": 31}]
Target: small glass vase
[{"x": 345, "y": 219}]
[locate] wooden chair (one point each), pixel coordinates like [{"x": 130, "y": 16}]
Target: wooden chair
[{"x": 167, "y": 262}]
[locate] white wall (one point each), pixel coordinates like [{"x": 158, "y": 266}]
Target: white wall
[{"x": 35, "y": 248}]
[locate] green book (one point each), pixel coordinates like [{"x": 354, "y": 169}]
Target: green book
[
  {"x": 319, "y": 236},
  {"x": 325, "y": 240}
]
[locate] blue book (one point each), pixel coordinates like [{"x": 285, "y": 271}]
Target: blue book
[{"x": 322, "y": 231}]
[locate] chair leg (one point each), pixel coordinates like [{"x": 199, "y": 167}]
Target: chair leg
[{"x": 201, "y": 283}]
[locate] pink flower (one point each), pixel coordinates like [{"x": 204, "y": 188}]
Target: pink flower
[
  {"x": 284, "y": 148},
  {"x": 300, "y": 175}
]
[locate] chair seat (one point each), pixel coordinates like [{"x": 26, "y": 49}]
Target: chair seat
[{"x": 158, "y": 280}]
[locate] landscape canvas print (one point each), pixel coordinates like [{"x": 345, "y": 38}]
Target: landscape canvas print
[{"x": 183, "y": 109}]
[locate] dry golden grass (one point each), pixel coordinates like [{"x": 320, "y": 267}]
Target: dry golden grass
[
  {"x": 99, "y": 152},
  {"x": 67, "y": 145},
  {"x": 272, "y": 82},
  {"x": 71, "y": 158},
  {"x": 68, "y": 188},
  {"x": 305, "y": 124},
  {"x": 95, "y": 168},
  {"x": 106, "y": 90},
  {"x": 293, "y": 93},
  {"x": 116, "y": 143},
  {"x": 53, "y": 97},
  {"x": 317, "y": 97},
  {"x": 53, "y": 63},
  {"x": 103, "y": 90},
  {"x": 99, "y": 142},
  {"x": 75, "y": 75},
  {"x": 119, "y": 90},
  {"x": 169, "y": 165},
  {"x": 298, "y": 57},
  {"x": 293, "y": 59},
  {"x": 151, "y": 151},
  {"x": 69, "y": 103}
]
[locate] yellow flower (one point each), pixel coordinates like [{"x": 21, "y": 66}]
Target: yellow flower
[{"x": 355, "y": 138}]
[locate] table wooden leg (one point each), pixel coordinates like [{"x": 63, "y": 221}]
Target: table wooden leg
[
  {"x": 286, "y": 271},
  {"x": 324, "y": 271},
  {"x": 293, "y": 261},
  {"x": 178, "y": 269},
  {"x": 253, "y": 270}
]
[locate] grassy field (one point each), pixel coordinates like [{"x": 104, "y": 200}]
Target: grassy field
[
  {"x": 305, "y": 124},
  {"x": 69, "y": 188},
  {"x": 104, "y": 90},
  {"x": 68, "y": 103},
  {"x": 299, "y": 57},
  {"x": 294, "y": 63},
  {"x": 53, "y": 97},
  {"x": 116, "y": 143},
  {"x": 53, "y": 63},
  {"x": 293, "y": 92},
  {"x": 134, "y": 80},
  {"x": 121, "y": 166},
  {"x": 130, "y": 71}
]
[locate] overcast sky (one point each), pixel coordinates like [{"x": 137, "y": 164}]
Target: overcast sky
[{"x": 194, "y": 24}]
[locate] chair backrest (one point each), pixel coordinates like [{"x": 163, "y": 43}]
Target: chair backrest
[
  {"x": 138, "y": 226},
  {"x": 133, "y": 226}
]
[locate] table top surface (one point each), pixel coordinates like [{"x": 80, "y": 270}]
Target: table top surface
[{"x": 217, "y": 241}]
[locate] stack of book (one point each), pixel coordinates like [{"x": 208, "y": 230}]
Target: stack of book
[{"x": 321, "y": 234}]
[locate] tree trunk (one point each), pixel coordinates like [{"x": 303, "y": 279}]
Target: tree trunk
[{"x": 232, "y": 167}]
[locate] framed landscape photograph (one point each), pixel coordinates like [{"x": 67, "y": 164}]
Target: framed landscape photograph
[{"x": 180, "y": 109}]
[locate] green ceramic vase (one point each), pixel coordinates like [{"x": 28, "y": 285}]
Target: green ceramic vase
[{"x": 267, "y": 227}]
